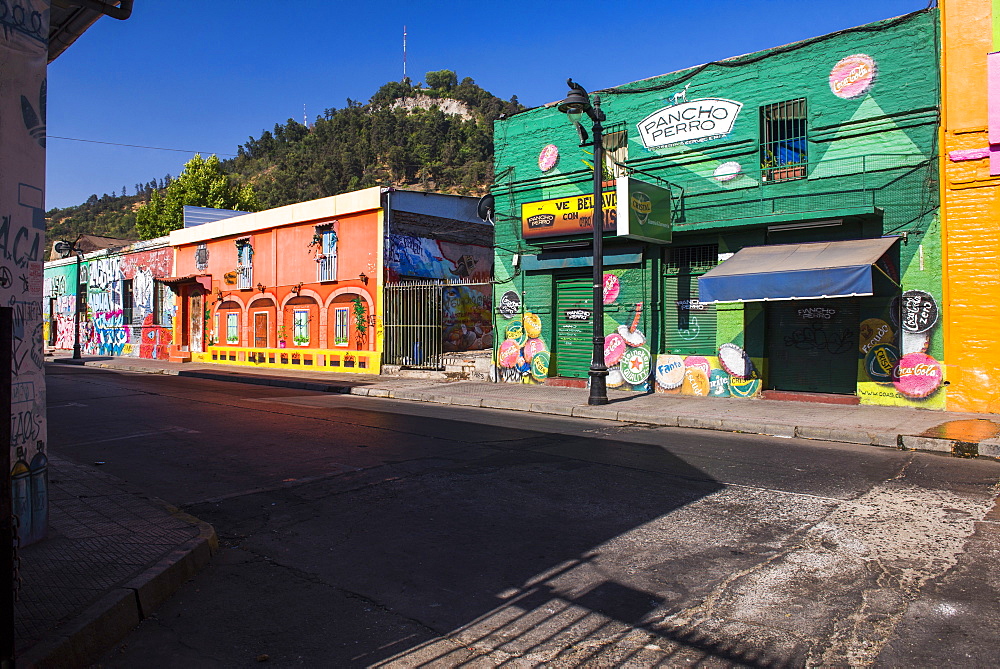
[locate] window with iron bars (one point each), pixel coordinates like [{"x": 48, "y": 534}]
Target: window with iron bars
[
  {"x": 687, "y": 259},
  {"x": 784, "y": 141}
]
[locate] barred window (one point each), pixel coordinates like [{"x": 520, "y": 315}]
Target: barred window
[{"x": 784, "y": 145}]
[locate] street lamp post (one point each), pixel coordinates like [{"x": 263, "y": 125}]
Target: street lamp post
[
  {"x": 76, "y": 315},
  {"x": 576, "y": 104}
]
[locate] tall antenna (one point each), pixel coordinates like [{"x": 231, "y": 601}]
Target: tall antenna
[
  {"x": 404, "y": 53},
  {"x": 305, "y": 119}
]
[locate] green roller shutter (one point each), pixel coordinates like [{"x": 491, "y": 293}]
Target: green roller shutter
[
  {"x": 574, "y": 340},
  {"x": 813, "y": 345},
  {"x": 688, "y": 326}
]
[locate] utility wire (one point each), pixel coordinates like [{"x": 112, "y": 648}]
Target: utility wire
[{"x": 137, "y": 146}]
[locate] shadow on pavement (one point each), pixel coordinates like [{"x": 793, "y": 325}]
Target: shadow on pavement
[{"x": 518, "y": 554}]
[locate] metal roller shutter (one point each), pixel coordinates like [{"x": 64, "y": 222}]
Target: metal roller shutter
[
  {"x": 574, "y": 340},
  {"x": 688, "y": 326},
  {"x": 813, "y": 345}
]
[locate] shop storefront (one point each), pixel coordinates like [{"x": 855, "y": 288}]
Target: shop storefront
[{"x": 770, "y": 229}]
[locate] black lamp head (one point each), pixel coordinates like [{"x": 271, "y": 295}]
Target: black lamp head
[{"x": 577, "y": 101}]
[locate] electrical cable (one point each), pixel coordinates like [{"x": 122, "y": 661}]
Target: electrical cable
[{"x": 137, "y": 146}]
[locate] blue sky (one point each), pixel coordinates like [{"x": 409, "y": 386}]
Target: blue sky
[{"x": 203, "y": 76}]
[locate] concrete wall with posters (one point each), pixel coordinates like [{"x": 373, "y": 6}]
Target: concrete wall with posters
[
  {"x": 970, "y": 203},
  {"x": 23, "y": 52},
  {"x": 872, "y": 99}
]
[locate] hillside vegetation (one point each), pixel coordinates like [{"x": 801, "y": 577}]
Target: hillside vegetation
[{"x": 436, "y": 136}]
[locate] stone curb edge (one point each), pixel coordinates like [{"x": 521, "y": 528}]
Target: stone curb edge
[
  {"x": 987, "y": 449},
  {"x": 82, "y": 640}
]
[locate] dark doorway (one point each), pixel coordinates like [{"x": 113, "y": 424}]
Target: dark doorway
[{"x": 813, "y": 345}]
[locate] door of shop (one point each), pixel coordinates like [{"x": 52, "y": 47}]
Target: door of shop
[
  {"x": 260, "y": 329},
  {"x": 813, "y": 345},
  {"x": 574, "y": 340}
]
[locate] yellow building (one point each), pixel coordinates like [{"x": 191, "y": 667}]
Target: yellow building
[{"x": 970, "y": 201}]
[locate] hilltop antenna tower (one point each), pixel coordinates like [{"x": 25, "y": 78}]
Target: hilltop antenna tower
[
  {"x": 404, "y": 53},
  {"x": 305, "y": 119}
]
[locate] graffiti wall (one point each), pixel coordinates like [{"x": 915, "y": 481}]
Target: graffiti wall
[
  {"x": 128, "y": 312},
  {"x": 23, "y": 41},
  {"x": 59, "y": 305}
]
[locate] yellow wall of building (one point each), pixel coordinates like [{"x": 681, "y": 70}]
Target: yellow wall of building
[{"x": 970, "y": 209}]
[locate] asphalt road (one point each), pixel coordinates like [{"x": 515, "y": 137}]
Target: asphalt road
[{"x": 361, "y": 532}]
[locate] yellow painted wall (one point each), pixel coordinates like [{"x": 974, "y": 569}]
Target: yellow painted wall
[{"x": 970, "y": 204}]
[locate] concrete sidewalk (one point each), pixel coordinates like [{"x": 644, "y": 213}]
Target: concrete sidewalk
[
  {"x": 111, "y": 556},
  {"x": 960, "y": 434}
]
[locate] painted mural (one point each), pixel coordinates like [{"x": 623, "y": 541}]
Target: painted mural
[
  {"x": 730, "y": 373},
  {"x": 104, "y": 330},
  {"x": 626, "y": 352},
  {"x": 59, "y": 302},
  {"x": 468, "y": 325},
  {"x": 897, "y": 354}
]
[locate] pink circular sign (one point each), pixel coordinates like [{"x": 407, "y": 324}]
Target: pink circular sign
[
  {"x": 614, "y": 348},
  {"x": 852, "y": 76},
  {"x": 919, "y": 375},
  {"x": 612, "y": 287},
  {"x": 508, "y": 353},
  {"x": 548, "y": 158}
]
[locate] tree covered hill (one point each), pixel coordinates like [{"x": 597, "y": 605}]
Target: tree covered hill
[{"x": 434, "y": 136}]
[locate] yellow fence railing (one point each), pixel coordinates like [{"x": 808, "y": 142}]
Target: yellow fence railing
[{"x": 315, "y": 359}]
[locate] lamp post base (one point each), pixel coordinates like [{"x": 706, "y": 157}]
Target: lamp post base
[{"x": 598, "y": 387}]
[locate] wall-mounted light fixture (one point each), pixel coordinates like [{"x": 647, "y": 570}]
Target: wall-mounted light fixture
[
  {"x": 297, "y": 288},
  {"x": 364, "y": 278},
  {"x": 261, "y": 288}
]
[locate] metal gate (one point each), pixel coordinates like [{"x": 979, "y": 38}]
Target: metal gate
[{"x": 414, "y": 322}]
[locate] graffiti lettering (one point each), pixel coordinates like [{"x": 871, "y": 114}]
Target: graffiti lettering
[
  {"x": 109, "y": 333},
  {"x": 816, "y": 338},
  {"x": 691, "y": 305},
  {"x": 25, "y": 427},
  {"x": 817, "y": 312},
  {"x": 22, "y": 251}
]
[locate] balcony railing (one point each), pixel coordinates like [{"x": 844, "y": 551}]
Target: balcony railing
[
  {"x": 244, "y": 277},
  {"x": 326, "y": 268}
]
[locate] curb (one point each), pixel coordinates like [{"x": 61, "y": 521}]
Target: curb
[
  {"x": 83, "y": 639},
  {"x": 989, "y": 448}
]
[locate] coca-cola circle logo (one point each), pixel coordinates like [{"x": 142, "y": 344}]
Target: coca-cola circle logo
[
  {"x": 918, "y": 312},
  {"x": 510, "y": 304}
]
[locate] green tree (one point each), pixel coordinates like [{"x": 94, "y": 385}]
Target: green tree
[
  {"x": 444, "y": 80},
  {"x": 201, "y": 184}
]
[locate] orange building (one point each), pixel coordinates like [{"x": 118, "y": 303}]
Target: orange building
[
  {"x": 970, "y": 201},
  {"x": 302, "y": 286}
]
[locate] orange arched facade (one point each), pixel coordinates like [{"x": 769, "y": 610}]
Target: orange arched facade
[{"x": 295, "y": 287}]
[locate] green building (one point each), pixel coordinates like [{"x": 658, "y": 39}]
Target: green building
[{"x": 771, "y": 226}]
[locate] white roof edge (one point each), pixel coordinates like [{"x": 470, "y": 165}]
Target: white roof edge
[{"x": 335, "y": 205}]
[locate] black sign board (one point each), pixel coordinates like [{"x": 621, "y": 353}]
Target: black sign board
[{"x": 510, "y": 304}]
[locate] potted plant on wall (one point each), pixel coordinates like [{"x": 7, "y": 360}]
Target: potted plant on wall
[
  {"x": 360, "y": 322},
  {"x": 282, "y": 337}
]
